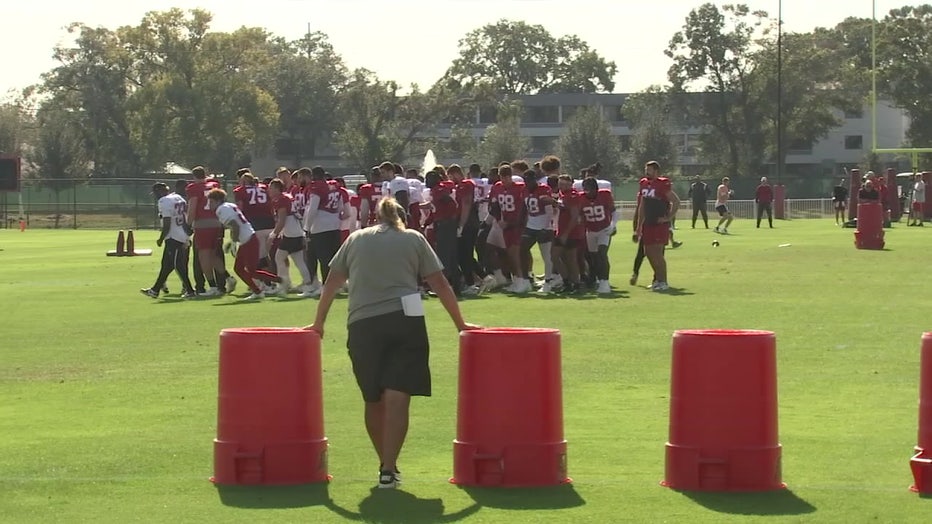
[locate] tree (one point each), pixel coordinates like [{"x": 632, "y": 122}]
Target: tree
[
  {"x": 517, "y": 58},
  {"x": 60, "y": 157},
  {"x": 815, "y": 86},
  {"x": 904, "y": 52},
  {"x": 713, "y": 53},
  {"x": 588, "y": 139},
  {"x": 17, "y": 124},
  {"x": 305, "y": 77},
  {"x": 651, "y": 116},
  {"x": 502, "y": 141},
  {"x": 380, "y": 124}
]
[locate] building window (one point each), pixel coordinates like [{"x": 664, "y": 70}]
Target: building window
[
  {"x": 854, "y": 114},
  {"x": 799, "y": 146},
  {"x": 488, "y": 115},
  {"x": 541, "y": 114},
  {"x": 854, "y": 142},
  {"x": 613, "y": 114},
  {"x": 568, "y": 112},
  {"x": 543, "y": 143}
]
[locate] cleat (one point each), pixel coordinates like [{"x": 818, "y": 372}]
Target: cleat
[
  {"x": 676, "y": 244},
  {"x": 633, "y": 280},
  {"x": 189, "y": 294},
  {"x": 165, "y": 289},
  {"x": 212, "y": 292},
  {"x": 255, "y": 296},
  {"x": 488, "y": 284},
  {"x": 231, "y": 284},
  {"x": 661, "y": 286},
  {"x": 388, "y": 480},
  {"x": 604, "y": 288},
  {"x": 149, "y": 292}
]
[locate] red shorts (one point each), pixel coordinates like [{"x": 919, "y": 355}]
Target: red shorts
[
  {"x": 512, "y": 236},
  {"x": 917, "y": 207},
  {"x": 208, "y": 238},
  {"x": 655, "y": 234}
]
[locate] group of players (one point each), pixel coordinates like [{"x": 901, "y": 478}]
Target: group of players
[{"x": 483, "y": 226}]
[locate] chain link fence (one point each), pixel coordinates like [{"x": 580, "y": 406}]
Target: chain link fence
[{"x": 111, "y": 203}]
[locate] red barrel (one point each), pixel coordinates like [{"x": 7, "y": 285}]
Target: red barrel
[
  {"x": 869, "y": 234},
  {"x": 723, "y": 412},
  {"x": 509, "y": 427},
  {"x": 270, "y": 422},
  {"x": 779, "y": 201},
  {"x": 921, "y": 463}
]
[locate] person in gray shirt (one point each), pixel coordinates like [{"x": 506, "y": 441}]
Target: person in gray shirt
[{"x": 386, "y": 332}]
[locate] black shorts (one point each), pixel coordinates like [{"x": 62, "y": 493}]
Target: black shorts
[
  {"x": 840, "y": 204},
  {"x": 722, "y": 210},
  {"x": 534, "y": 236},
  {"x": 291, "y": 244},
  {"x": 390, "y": 351},
  {"x": 262, "y": 223},
  {"x": 569, "y": 243}
]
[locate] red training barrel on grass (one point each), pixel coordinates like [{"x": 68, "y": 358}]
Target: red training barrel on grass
[
  {"x": 270, "y": 423},
  {"x": 869, "y": 234},
  {"x": 509, "y": 427},
  {"x": 921, "y": 463},
  {"x": 723, "y": 412}
]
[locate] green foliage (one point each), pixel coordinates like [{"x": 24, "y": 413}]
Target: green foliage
[
  {"x": 514, "y": 57},
  {"x": 651, "y": 114},
  {"x": 588, "y": 139},
  {"x": 503, "y": 141}
]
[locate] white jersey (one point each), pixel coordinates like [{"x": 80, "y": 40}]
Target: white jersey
[
  {"x": 577, "y": 184},
  {"x": 397, "y": 185},
  {"x": 919, "y": 192},
  {"x": 229, "y": 213},
  {"x": 416, "y": 191},
  {"x": 174, "y": 207},
  {"x": 349, "y": 222},
  {"x": 386, "y": 189},
  {"x": 483, "y": 188}
]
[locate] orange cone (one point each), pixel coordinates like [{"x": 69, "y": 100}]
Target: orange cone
[
  {"x": 130, "y": 244},
  {"x": 120, "y": 247}
]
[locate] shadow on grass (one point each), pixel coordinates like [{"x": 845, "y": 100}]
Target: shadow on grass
[
  {"x": 555, "y": 497},
  {"x": 269, "y": 497},
  {"x": 781, "y": 502},
  {"x": 394, "y": 506},
  {"x": 677, "y": 292}
]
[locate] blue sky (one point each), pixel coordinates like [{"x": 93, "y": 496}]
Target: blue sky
[{"x": 632, "y": 33}]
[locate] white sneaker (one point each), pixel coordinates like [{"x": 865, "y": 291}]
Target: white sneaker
[
  {"x": 255, "y": 296},
  {"x": 310, "y": 291},
  {"x": 717, "y": 230},
  {"x": 724, "y": 231},
  {"x": 661, "y": 286},
  {"x": 604, "y": 288},
  {"x": 231, "y": 284},
  {"x": 547, "y": 287},
  {"x": 212, "y": 292},
  {"x": 522, "y": 285},
  {"x": 280, "y": 289},
  {"x": 652, "y": 285},
  {"x": 470, "y": 291},
  {"x": 488, "y": 284},
  {"x": 556, "y": 282}
]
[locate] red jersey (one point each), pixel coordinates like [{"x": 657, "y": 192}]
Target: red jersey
[
  {"x": 511, "y": 201},
  {"x": 255, "y": 203},
  {"x": 466, "y": 186},
  {"x": 199, "y": 190},
  {"x": 373, "y": 194},
  {"x": 598, "y": 211},
  {"x": 570, "y": 200},
  {"x": 329, "y": 198},
  {"x": 441, "y": 196},
  {"x": 653, "y": 196},
  {"x": 535, "y": 206}
]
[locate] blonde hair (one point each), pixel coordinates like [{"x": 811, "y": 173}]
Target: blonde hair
[{"x": 390, "y": 213}]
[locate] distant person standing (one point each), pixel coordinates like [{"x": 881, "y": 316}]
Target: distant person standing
[
  {"x": 840, "y": 201},
  {"x": 173, "y": 209},
  {"x": 699, "y": 193},
  {"x": 763, "y": 197},
  {"x": 722, "y": 194},
  {"x": 917, "y": 207}
]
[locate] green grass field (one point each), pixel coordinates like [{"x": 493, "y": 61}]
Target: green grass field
[{"x": 108, "y": 398}]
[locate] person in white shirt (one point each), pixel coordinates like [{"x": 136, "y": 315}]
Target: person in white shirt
[
  {"x": 326, "y": 207},
  {"x": 722, "y": 194},
  {"x": 917, "y": 206},
  {"x": 175, "y": 232},
  {"x": 246, "y": 265}
]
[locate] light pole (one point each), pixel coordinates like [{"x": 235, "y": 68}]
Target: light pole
[{"x": 779, "y": 91}]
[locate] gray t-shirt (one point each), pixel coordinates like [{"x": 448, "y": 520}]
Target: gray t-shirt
[
  {"x": 383, "y": 264},
  {"x": 919, "y": 192}
]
